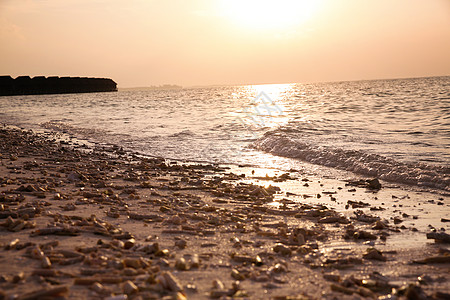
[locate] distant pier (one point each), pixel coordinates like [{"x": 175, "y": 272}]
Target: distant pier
[{"x": 25, "y": 85}]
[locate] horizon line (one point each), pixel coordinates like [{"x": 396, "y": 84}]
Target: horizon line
[{"x": 273, "y": 83}]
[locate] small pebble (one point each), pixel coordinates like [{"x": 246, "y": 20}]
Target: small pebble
[
  {"x": 181, "y": 264},
  {"x": 129, "y": 288}
]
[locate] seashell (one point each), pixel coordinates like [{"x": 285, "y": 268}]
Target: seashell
[
  {"x": 129, "y": 244},
  {"x": 278, "y": 268},
  {"x": 12, "y": 244},
  {"x": 46, "y": 263},
  {"x": 117, "y": 243},
  {"x": 258, "y": 261}
]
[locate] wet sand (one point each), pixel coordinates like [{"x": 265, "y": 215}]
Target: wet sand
[{"x": 97, "y": 222}]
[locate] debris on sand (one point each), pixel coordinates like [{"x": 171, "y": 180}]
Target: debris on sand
[
  {"x": 373, "y": 184},
  {"x": 374, "y": 254},
  {"x": 101, "y": 222}
]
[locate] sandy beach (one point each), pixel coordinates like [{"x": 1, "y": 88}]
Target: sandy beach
[
  {"x": 97, "y": 222},
  {"x": 224, "y": 149}
]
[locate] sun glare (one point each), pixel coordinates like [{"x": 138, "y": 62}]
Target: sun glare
[{"x": 269, "y": 14}]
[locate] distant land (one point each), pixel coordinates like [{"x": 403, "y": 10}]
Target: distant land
[
  {"x": 24, "y": 85},
  {"x": 153, "y": 87}
]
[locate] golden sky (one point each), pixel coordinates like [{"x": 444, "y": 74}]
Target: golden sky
[{"x": 204, "y": 42}]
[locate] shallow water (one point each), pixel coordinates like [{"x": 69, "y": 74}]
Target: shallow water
[{"x": 398, "y": 130}]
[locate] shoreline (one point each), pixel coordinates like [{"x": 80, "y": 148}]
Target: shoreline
[{"x": 192, "y": 230}]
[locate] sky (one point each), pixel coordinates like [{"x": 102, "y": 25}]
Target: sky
[{"x": 215, "y": 42}]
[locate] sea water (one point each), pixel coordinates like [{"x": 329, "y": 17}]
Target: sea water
[{"x": 397, "y": 130}]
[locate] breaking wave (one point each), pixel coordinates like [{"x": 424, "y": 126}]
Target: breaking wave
[{"x": 357, "y": 161}]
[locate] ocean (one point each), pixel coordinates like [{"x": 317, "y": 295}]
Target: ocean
[{"x": 397, "y": 130}]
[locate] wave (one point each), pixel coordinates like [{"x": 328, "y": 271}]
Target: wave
[
  {"x": 356, "y": 161},
  {"x": 62, "y": 126}
]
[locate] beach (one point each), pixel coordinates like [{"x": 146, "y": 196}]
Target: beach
[
  {"x": 98, "y": 222},
  {"x": 224, "y": 149}
]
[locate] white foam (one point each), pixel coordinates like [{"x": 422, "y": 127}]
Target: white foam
[{"x": 356, "y": 161}]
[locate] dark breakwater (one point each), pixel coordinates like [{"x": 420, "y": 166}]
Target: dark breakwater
[{"x": 24, "y": 85}]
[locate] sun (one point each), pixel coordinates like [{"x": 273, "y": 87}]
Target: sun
[{"x": 268, "y": 14}]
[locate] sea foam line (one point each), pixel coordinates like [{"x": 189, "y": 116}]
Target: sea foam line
[{"x": 356, "y": 161}]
